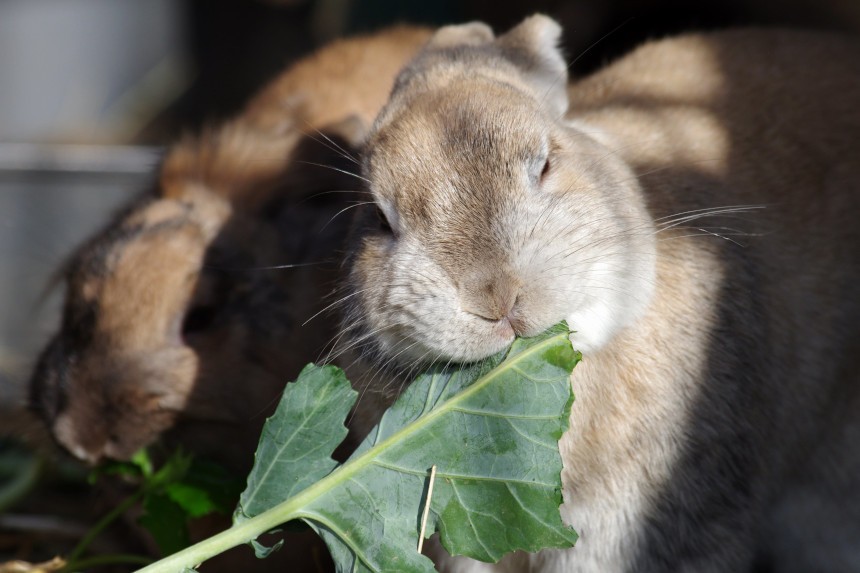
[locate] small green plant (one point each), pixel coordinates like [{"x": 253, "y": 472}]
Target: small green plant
[
  {"x": 181, "y": 489},
  {"x": 489, "y": 431}
]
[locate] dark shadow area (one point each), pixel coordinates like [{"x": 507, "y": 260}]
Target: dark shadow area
[
  {"x": 237, "y": 45},
  {"x": 769, "y": 426},
  {"x": 252, "y": 335}
]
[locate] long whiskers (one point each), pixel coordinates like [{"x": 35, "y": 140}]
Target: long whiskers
[
  {"x": 264, "y": 268},
  {"x": 687, "y": 216},
  {"x": 331, "y": 145},
  {"x": 344, "y": 171},
  {"x": 335, "y": 303},
  {"x": 344, "y": 210}
]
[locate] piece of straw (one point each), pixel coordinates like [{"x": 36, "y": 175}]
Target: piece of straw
[{"x": 426, "y": 508}]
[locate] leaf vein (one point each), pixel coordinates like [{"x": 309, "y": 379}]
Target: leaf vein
[
  {"x": 463, "y": 477},
  {"x": 495, "y": 414},
  {"x": 531, "y": 439},
  {"x": 472, "y": 523}
]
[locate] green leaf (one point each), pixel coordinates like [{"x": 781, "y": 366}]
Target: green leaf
[
  {"x": 262, "y": 550},
  {"x": 193, "y": 500},
  {"x": 220, "y": 486},
  {"x": 298, "y": 440},
  {"x": 165, "y": 520},
  {"x": 173, "y": 470},
  {"x": 142, "y": 460},
  {"x": 491, "y": 429},
  {"x": 181, "y": 489}
]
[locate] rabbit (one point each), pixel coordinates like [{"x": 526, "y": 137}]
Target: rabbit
[
  {"x": 173, "y": 314},
  {"x": 179, "y": 324},
  {"x": 691, "y": 211}
]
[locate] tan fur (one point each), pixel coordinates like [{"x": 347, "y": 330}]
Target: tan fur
[
  {"x": 121, "y": 370},
  {"x": 717, "y": 403},
  {"x": 348, "y": 79},
  {"x": 339, "y": 81}
]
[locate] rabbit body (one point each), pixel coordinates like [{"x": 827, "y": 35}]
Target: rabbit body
[{"x": 691, "y": 211}]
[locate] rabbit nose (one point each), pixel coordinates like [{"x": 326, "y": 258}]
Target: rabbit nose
[
  {"x": 86, "y": 447},
  {"x": 492, "y": 299},
  {"x": 90, "y": 456}
]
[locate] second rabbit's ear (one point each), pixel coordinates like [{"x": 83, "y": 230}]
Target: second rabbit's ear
[
  {"x": 471, "y": 34},
  {"x": 533, "y": 46}
]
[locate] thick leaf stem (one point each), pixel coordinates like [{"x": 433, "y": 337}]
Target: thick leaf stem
[
  {"x": 256, "y": 526},
  {"x": 236, "y": 535}
]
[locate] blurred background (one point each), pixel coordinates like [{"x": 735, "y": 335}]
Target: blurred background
[{"x": 91, "y": 91}]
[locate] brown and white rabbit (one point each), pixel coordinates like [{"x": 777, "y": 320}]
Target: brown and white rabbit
[
  {"x": 173, "y": 313},
  {"x": 717, "y": 420}
]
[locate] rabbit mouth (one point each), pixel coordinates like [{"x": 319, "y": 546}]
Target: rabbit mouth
[{"x": 462, "y": 339}]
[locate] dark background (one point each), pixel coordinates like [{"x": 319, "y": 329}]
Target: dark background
[{"x": 236, "y": 46}]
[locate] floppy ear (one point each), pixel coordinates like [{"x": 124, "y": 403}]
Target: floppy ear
[
  {"x": 471, "y": 34},
  {"x": 533, "y": 46}
]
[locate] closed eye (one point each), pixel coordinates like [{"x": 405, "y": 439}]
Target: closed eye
[
  {"x": 545, "y": 170},
  {"x": 384, "y": 225}
]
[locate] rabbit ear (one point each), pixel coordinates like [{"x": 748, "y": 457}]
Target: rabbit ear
[
  {"x": 533, "y": 46},
  {"x": 471, "y": 34}
]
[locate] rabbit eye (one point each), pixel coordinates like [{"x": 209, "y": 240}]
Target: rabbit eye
[
  {"x": 199, "y": 318},
  {"x": 384, "y": 225},
  {"x": 545, "y": 170}
]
